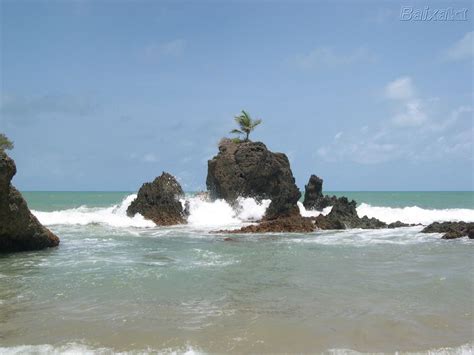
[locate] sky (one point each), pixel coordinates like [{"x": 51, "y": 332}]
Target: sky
[{"x": 105, "y": 95}]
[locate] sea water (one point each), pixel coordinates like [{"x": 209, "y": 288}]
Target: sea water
[{"x": 120, "y": 284}]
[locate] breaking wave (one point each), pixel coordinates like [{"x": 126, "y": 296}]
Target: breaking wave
[
  {"x": 114, "y": 216},
  {"x": 213, "y": 214},
  {"x": 203, "y": 214},
  {"x": 415, "y": 214},
  {"x": 219, "y": 213}
]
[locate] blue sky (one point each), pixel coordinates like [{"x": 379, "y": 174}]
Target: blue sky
[{"x": 105, "y": 95}]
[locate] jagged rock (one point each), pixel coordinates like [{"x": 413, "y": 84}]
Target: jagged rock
[
  {"x": 19, "y": 229},
  {"x": 344, "y": 216},
  {"x": 291, "y": 224},
  {"x": 451, "y": 230},
  {"x": 398, "y": 224},
  {"x": 159, "y": 201},
  {"x": 249, "y": 169},
  {"x": 313, "y": 196}
]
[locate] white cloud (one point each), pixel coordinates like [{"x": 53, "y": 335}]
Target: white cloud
[
  {"x": 410, "y": 134},
  {"x": 452, "y": 119},
  {"x": 327, "y": 57},
  {"x": 174, "y": 48},
  {"x": 411, "y": 115},
  {"x": 400, "y": 89},
  {"x": 150, "y": 158},
  {"x": 410, "y": 109},
  {"x": 462, "y": 49}
]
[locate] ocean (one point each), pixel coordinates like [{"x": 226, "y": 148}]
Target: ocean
[{"x": 120, "y": 284}]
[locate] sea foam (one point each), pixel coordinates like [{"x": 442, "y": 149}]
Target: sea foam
[
  {"x": 114, "y": 216},
  {"x": 206, "y": 214},
  {"x": 415, "y": 214},
  {"x": 203, "y": 214}
]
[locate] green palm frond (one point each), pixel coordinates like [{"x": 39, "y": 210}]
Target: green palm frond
[{"x": 246, "y": 124}]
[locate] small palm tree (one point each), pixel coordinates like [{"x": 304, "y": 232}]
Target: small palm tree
[
  {"x": 246, "y": 123},
  {"x": 5, "y": 143}
]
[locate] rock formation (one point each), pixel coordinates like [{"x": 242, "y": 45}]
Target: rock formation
[
  {"x": 19, "y": 229},
  {"x": 159, "y": 201},
  {"x": 344, "y": 215},
  {"x": 313, "y": 196},
  {"x": 249, "y": 169},
  {"x": 451, "y": 230},
  {"x": 291, "y": 224}
]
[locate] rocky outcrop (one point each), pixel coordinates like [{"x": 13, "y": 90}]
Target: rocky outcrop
[
  {"x": 313, "y": 196},
  {"x": 344, "y": 215},
  {"x": 249, "y": 169},
  {"x": 451, "y": 230},
  {"x": 19, "y": 229},
  {"x": 290, "y": 224},
  {"x": 159, "y": 201}
]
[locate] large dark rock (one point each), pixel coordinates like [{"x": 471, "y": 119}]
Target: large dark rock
[
  {"x": 159, "y": 201},
  {"x": 451, "y": 230},
  {"x": 313, "y": 196},
  {"x": 344, "y": 215},
  {"x": 249, "y": 169},
  {"x": 19, "y": 229}
]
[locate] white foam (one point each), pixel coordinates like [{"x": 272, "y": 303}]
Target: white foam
[
  {"x": 312, "y": 213},
  {"x": 415, "y": 214},
  {"x": 211, "y": 214},
  {"x": 218, "y": 213},
  {"x": 75, "y": 348},
  {"x": 114, "y": 216},
  {"x": 466, "y": 349},
  {"x": 251, "y": 210}
]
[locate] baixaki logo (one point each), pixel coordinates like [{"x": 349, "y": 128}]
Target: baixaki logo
[{"x": 409, "y": 13}]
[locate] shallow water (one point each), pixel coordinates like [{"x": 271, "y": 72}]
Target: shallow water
[{"x": 177, "y": 289}]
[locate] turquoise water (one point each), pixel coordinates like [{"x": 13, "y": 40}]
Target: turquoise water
[
  {"x": 117, "y": 284},
  {"x": 50, "y": 201}
]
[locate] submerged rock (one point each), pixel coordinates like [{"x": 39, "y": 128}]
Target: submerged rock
[
  {"x": 159, "y": 201},
  {"x": 19, "y": 229},
  {"x": 451, "y": 230},
  {"x": 249, "y": 169},
  {"x": 313, "y": 196}
]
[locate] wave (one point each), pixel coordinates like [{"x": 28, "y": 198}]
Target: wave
[
  {"x": 218, "y": 213},
  {"x": 114, "y": 216},
  {"x": 415, "y": 214},
  {"x": 313, "y": 213},
  {"x": 205, "y": 214},
  {"x": 75, "y": 348}
]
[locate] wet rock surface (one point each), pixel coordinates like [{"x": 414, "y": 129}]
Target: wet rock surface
[
  {"x": 19, "y": 229},
  {"x": 314, "y": 198},
  {"x": 451, "y": 230},
  {"x": 344, "y": 216},
  {"x": 159, "y": 201},
  {"x": 249, "y": 169},
  {"x": 290, "y": 224}
]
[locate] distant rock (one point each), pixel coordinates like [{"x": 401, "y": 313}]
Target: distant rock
[
  {"x": 159, "y": 201},
  {"x": 19, "y": 229},
  {"x": 451, "y": 230},
  {"x": 313, "y": 196},
  {"x": 249, "y": 169}
]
